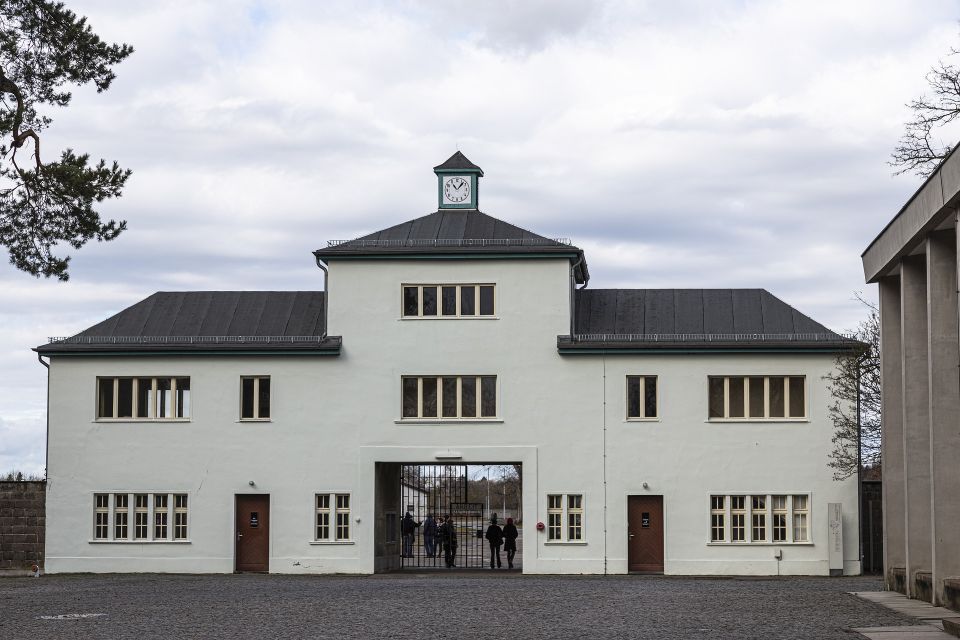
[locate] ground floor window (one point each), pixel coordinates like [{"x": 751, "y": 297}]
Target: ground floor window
[
  {"x": 332, "y": 517},
  {"x": 565, "y": 517},
  {"x": 112, "y": 517},
  {"x": 759, "y": 518}
]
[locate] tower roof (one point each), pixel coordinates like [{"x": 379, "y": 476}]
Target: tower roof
[{"x": 458, "y": 162}]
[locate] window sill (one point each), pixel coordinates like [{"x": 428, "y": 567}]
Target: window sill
[
  {"x": 642, "y": 420},
  {"x": 139, "y": 541},
  {"x": 756, "y": 420},
  {"x": 141, "y": 420},
  {"x": 331, "y": 542},
  {"x": 759, "y": 544},
  {"x": 565, "y": 543},
  {"x": 245, "y": 420},
  {"x": 405, "y": 318},
  {"x": 428, "y": 421}
]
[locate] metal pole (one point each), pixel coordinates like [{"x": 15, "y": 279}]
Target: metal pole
[{"x": 859, "y": 471}]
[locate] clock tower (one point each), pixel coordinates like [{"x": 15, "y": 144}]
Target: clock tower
[{"x": 457, "y": 181}]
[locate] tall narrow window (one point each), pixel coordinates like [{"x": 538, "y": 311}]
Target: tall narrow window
[
  {"x": 800, "y": 519},
  {"x": 555, "y": 517},
  {"x": 468, "y": 302},
  {"x": 141, "y": 525},
  {"x": 411, "y": 301},
  {"x": 449, "y": 399},
  {"x": 468, "y": 397},
  {"x": 180, "y": 516},
  {"x": 575, "y": 517},
  {"x": 488, "y": 396},
  {"x": 776, "y": 397},
  {"x": 101, "y": 517},
  {"x": 183, "y": 397},
  {"x": 798, "y": 401},
  {"x": 164, "y": 397},
  {"x": 448, "y": 297},
  {"x": 641, "y": 397},
  {"x": 716, "y": 398},
  {"x": 121, "y": 515},
  {"x": 429, "y": 301},
  {"x": 411, "y": 397},
  {"x": 758, "y": 514},
  {"x": 428, "y": 407},
  {"x": 486, "y": 300},
  {"x": 323, "y": 516},
  {"x": 343, "y": 516},
  {"x": 738, "y": 517},
  {"x": 717, "y": 515},
  {"x": 779, "y": 507},
  {"x": 125, "y": 397},
  {"x": 160, "y": 516},
  {"x": 757, "y": 403},
  {"x": 255, "y": 398},
  {"x": 144, "y": 397}
]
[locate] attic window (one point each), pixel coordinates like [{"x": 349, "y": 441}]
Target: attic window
[{"x": 448, "y": 301}]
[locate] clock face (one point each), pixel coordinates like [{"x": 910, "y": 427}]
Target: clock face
[{"x": 456, "y": 189}]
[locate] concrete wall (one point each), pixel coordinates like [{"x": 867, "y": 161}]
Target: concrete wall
[
  {"x": 336, "y": 426},
  {"x": 22, "y": 524}
]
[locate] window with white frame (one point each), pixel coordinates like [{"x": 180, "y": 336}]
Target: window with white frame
[
  {"x": 768, "y": 516},
  {"x": 332, "y": 517},
  {"x": 255, "y": 398},
  {"x": 448, "y": 300},
  {"x": 641, "y": 397},
  {"x": 757, "y": 397},
  {"x": 565, "y": 517},
  {"x": 134, "y": 398},
  {"x": 718, "y": 514},
  {"x": 448, "y": 397},
  {"x": 113, "y": 521}
]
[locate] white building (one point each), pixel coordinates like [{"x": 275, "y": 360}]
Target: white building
[{"x": 683, "y": 431}]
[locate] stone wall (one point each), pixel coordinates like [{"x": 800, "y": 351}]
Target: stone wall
[{"x": 22, "y": 524}]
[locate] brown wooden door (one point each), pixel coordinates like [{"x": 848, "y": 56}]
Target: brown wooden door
[
  {"x": 645, "y": 533},
  {"x": 253, "y": 533}
]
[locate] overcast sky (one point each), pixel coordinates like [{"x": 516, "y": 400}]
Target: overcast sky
[{"x": 682, "y": 144}]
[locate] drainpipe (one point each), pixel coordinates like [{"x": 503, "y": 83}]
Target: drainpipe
[
  {"x": 46, "y": 455},
  {"x": 326, "y": 298}
]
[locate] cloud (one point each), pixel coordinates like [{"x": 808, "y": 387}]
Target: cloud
[{"x": 691, "y": 143}]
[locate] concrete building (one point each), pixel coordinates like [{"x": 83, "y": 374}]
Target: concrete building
[
  {"x": 682, "y": 430},
  {"x": 914, "y": 262}
]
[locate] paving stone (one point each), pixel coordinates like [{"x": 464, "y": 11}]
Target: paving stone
[{"x": 461, "y": 606}]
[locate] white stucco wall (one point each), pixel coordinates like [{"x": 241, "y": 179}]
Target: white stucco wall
[{"x": 333, "y": 418}]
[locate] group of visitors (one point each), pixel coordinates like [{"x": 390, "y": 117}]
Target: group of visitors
[{"x": 440, "y": 535}]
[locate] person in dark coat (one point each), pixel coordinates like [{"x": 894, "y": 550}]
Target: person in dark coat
[
  {"x": 448, "y": 535},
  {"x": 430, "y": 531},
  {"x": 510, "y": 535},
  {"x": 408, "y": 528},
  {"x": 495, "y": 538}
]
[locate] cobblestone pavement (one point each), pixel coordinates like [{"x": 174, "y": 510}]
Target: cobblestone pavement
[{"x": 454, "y": 606}]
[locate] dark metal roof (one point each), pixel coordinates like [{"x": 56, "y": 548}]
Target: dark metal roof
[
  {"x": 458, "y": 162},
  {"x": 209, "y": 321},
  {"x": 455, "y": 233},
  {"x": 702, "y": 319}
]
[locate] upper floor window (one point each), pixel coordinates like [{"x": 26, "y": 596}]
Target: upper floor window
[
  {"x": 255, "y": 398},
  {"x": 757, "y": 397},
  {"x": 448, "y": 300},
  {"x": 641, "y": 397},
  {"x": 449, "y": 397},
  {"x": 143, "y": 398}
]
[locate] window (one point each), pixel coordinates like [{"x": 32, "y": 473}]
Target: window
[
  {"x": 393, "y": 529},
  {"x": 641, "y": 397},
  {"x": 180, "y": 516},
  {"x": 141, "y": 517},
  {"x": 449, "y": 397},
  {"x": 756, "y": 397},
  {"x": 332, "y": 509},
  {"x": 143, "y": 398},
  {"x": 717, "y": 513},
  {"x": 448, "y": 300},
  {"x": 101, "y": 517},
  {"x": 121, "y": 514},
  {"x": 565, "y": 508},
  {"x": 800, "y": 517},
  {"x": 160, "y": 516},
  {"x": 255, "y": 398},
  {"x": 768, "y": 516},
  {"x": 137, "y": 528}
]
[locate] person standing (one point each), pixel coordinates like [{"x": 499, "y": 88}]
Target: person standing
[
  {"x": 495, "y": 538},
  {"x": 510, "y": 535},
  {"x": 408, "y": 528},
  {"x": 449, "y": 538},
  {"x": 430, "y": 536}
]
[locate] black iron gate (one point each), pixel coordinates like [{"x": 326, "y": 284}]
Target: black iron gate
[{"x": 440, "y": 492}]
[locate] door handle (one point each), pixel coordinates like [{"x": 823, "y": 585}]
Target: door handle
[
  {"x": 630, "y": 535},
  {"x": 239, "y": 535}
]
